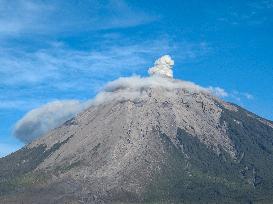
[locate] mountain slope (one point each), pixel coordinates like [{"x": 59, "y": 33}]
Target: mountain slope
[{"x": 169, "y": 143}]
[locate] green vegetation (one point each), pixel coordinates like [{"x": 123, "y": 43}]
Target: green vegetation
[
  {"x": 202, "y": 177},
  {"x": 254, "y": 143},
  {"x": 22, "y": 182},
  {"x": 205, "y": 177},
  {"x": 16, "y": 170},
  {"x": 65, "y": 168}
]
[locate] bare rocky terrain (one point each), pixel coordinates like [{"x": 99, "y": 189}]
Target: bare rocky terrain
[{"x": 150, "y": 143}]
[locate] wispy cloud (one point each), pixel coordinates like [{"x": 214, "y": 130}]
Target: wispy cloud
[
  {"x": 263, "y": 4},
  {"x": 233, "y": 95},
  {"x": 18, "y": 104},
  {"x": 57, "y": 64},
  {"x": 238, "y": 96},
  {"x": 23, "y": 16},
  {"x": 60, "y": 72},
  {"x": 217, "y": 91},
  {"x": 254, "y": 13},
  {"x": 248, "y": 96},
  {"x": 45, "y": 18}
]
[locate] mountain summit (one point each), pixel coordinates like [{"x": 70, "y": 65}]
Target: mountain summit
[{"x": 147, "y": 140}]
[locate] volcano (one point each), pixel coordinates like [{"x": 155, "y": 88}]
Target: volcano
[{"x": 147, "y": 140}]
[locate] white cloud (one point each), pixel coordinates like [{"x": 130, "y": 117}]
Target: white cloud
[
  {"x": 262, "y": 4},
  {"x": 45, "y": 118},
  {"x": 238, "y": 96},
  {"x": 18, "y": 104},
  {"x": 131, "y": 88},
  {"x": 162, "y": 67},
  {"x": 217, "y": 91},
  {"x": 248, "y": 96},
  {"x": 235, "y": 95},
  {"x": 51, "y": 17},
  {"x": 49, "y": 116},
  {"x": 56, "y": 64},
  {"x": 22, "y": 16},
  {"x": 138, "y": 83}
]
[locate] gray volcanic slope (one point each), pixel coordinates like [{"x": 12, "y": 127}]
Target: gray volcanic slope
[{"x": 159, "y": 144}]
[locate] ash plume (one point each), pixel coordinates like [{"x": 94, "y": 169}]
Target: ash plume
[
  {"x": 45, "y": 118},
  {"x": 162, "y": 67},
  {"x": 41, "y": 120}
]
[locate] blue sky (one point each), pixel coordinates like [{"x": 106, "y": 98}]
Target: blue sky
[{"x": 57, "y": 49}]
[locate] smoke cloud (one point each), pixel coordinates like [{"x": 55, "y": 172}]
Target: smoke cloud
[
  {"x": 45, "y": 118},
  {"x": 131, "y": 88},
  {"x": 49, "y": 116},
  {"x": 138, "y": 83},
  {"x": 162, "y": 67}
]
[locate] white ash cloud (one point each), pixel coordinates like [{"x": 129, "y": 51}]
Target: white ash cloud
[
  {"x": 49, "y": 116},
  {"x": 131, "y": 88},
  {"x": 45, "y": 118},
  {"x": 138, "y": 83},
  {"x": 162, "y": 67},
  {"x": 41, "y": 120}
]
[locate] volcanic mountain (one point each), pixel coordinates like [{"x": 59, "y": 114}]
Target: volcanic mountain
[{"x": 147, "y": 140}]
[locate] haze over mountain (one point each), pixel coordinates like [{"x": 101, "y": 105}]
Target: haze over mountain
[
  {"x": 40, "y": 120},
  {"x": 144, "y": 140}
]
